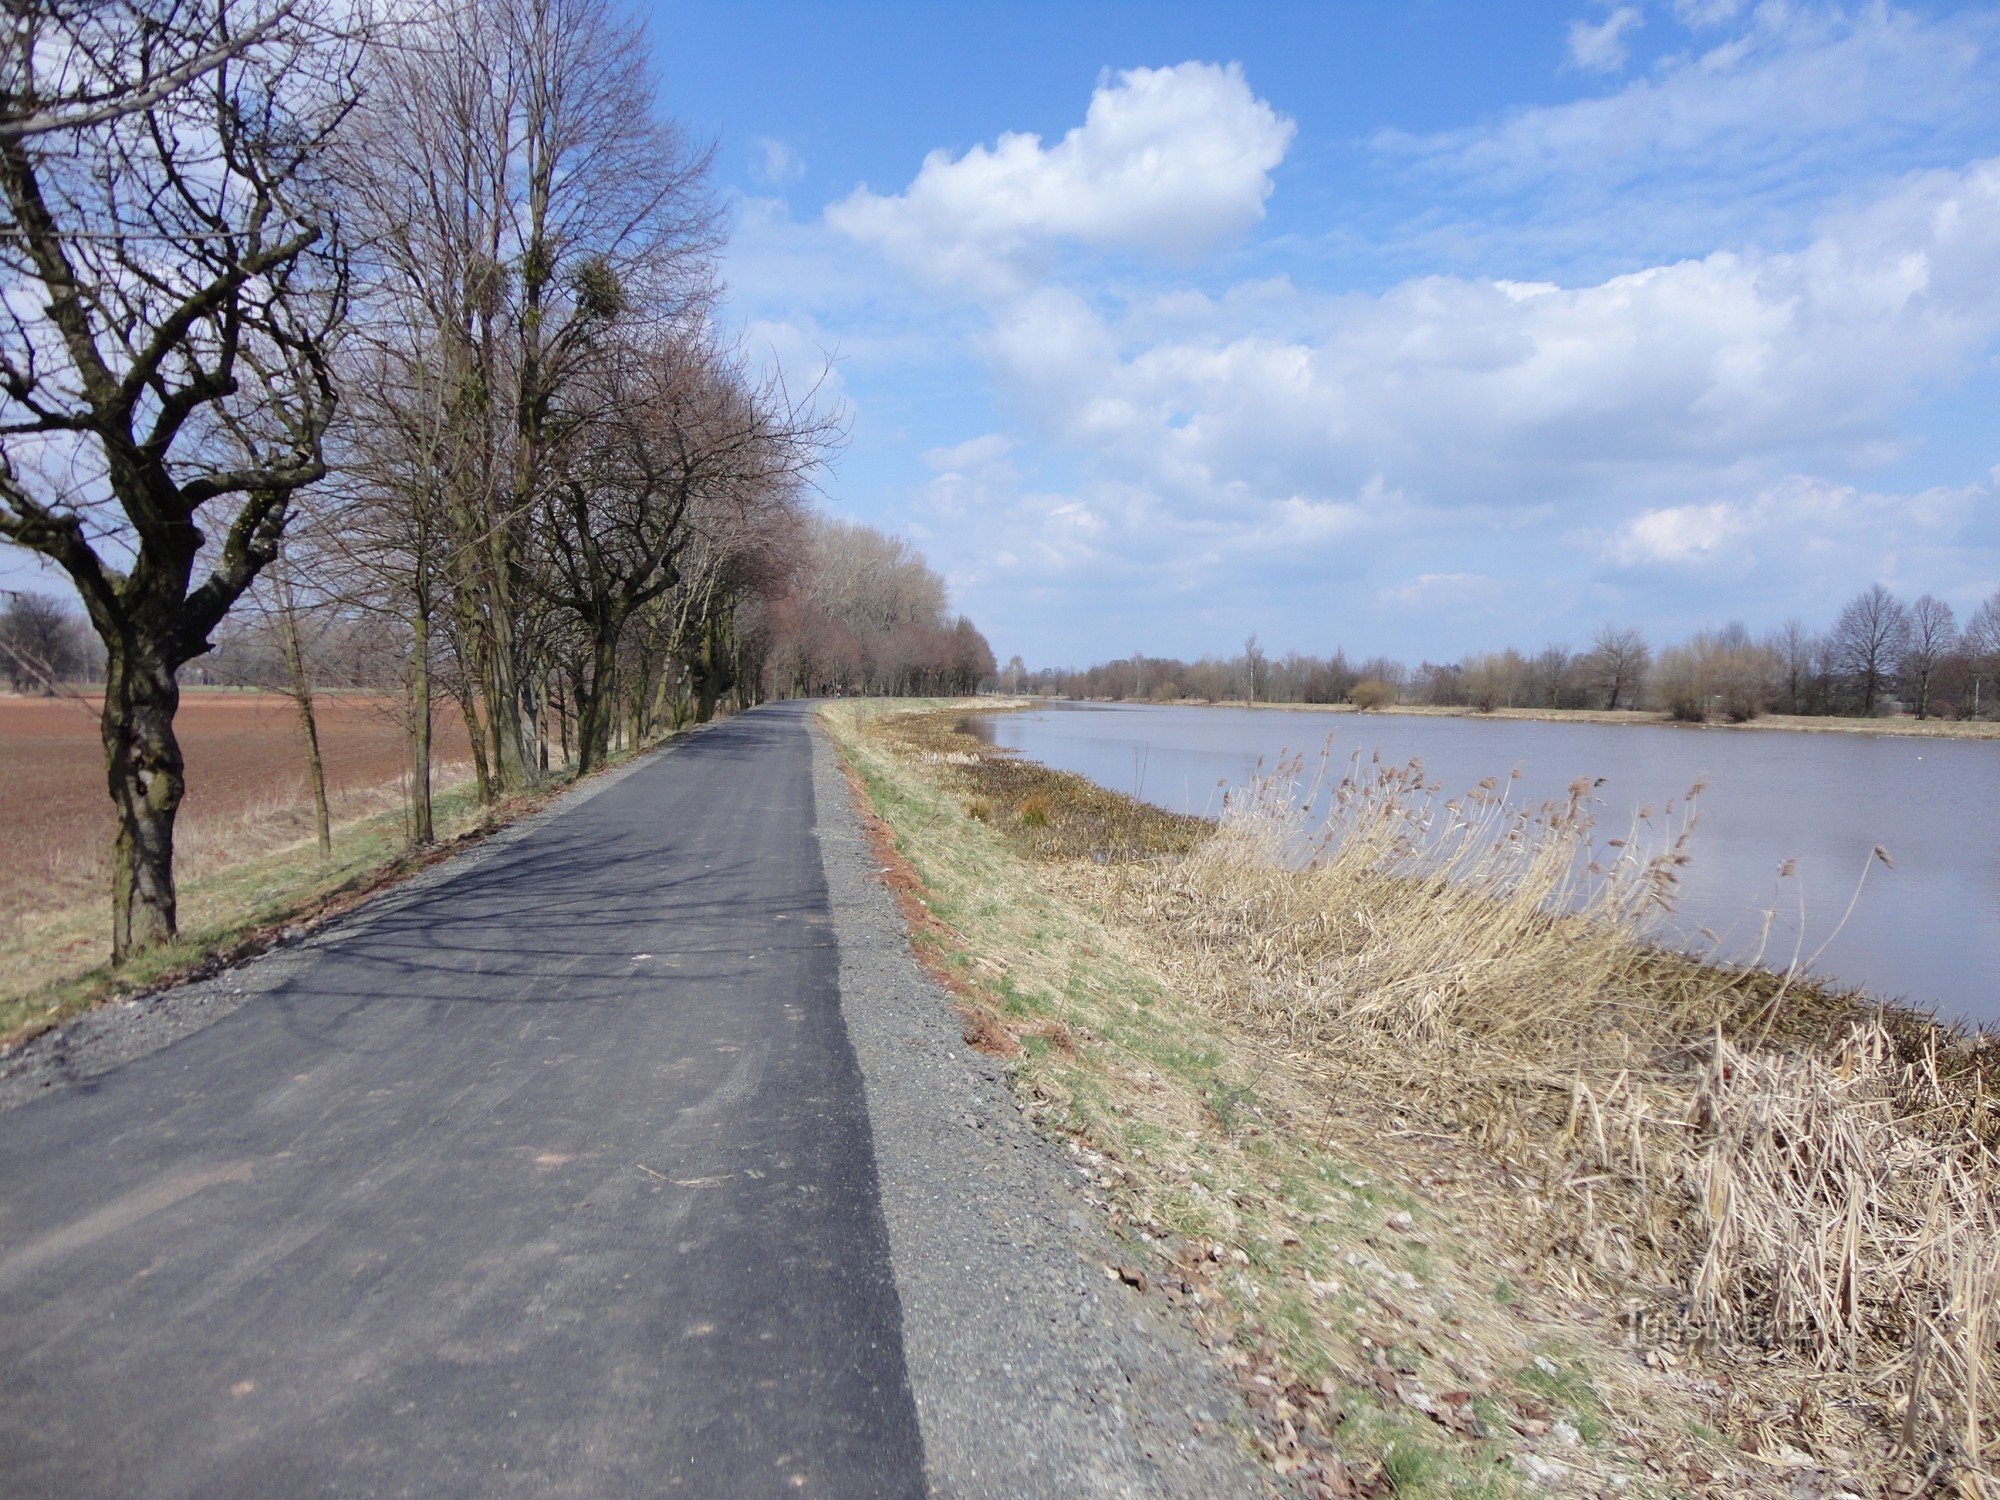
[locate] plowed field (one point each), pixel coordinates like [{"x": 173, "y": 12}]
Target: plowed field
[{"x": 246, "y": 776}]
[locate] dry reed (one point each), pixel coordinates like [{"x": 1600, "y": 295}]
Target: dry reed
[{"x": 1777, "y": 1177}]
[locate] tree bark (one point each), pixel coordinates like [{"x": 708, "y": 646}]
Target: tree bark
[
  {"x": 422, "y": 822},
  {"x": 143, "y": 767},
  {"x": 475, "y": 734},
  {"x": 509, "y": 759},
  {"x": 302, "y": 697},
  {"x": 594, "y": 705}
]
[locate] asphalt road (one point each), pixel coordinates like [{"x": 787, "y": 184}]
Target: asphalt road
[{"x": 553, "y": 1178}]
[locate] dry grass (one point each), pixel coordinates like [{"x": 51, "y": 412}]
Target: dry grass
[
  {"x": 244, "y": 893},
  {"x": 1830, "y": 1198},
  {"x": 1740, "y": 1204},
  {"x": 247, "y": 866}
]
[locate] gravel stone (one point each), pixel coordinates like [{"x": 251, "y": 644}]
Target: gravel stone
[{"x": 1034, "y": 1374}]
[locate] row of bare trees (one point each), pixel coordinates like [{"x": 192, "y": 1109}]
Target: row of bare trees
[
  {"x": 404, "y": 326},
  {"x": 868, "y": 615},
  {"x": 1880, "y": 654}
]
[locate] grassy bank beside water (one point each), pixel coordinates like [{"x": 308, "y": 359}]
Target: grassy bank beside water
[
  {"x": 1944, "y": 729},
  {"x": 1474, "y": 1197}
]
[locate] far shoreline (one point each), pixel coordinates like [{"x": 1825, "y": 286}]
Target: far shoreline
[{"x": 1907, "y": 728}]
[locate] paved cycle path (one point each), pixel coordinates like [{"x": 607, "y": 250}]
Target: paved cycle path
[{"x": 551, "y": 1177}]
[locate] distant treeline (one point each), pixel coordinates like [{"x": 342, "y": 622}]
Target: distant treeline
[
  {"x": 839, "y": 608},
  {"x": 1880, "y": 654}
]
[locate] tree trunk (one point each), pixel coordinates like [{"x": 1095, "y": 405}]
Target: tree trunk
[
  {"x": 302, "y": 696},
  {"x": 475, "y": 735},
  {"x": 542, "y": 727},
  {"x": 562, "y": 720},
  {"x": 506, "y": 743},
  {"x": 422, "y": 824},
  {"x": 143, "y": 767},
  {"x": 595, "y": 705}
]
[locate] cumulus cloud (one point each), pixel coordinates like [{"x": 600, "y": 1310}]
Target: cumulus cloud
[
  {"x": 1454, "y": 447},
  {"x": 1681, "y": 533},
  {"x": 1170, "y": 161},
  {"x": 1599, "y": 46},
  {"x": 1798, "y": 515},
  {"x": 1642, "y": 423},
  {"x": 1465, "y": 390}
]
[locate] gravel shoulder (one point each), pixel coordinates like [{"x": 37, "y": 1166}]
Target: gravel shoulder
[{"x": 1034, "y": 1374}]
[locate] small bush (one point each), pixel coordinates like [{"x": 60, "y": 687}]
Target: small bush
[
  {"x": 1371, "y": 693},
  {"x": 1685, "y": 708},
  {"x": 1035, "y": 810}
]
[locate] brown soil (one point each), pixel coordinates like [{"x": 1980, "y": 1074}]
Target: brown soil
[{"x": 244, "y": 760}]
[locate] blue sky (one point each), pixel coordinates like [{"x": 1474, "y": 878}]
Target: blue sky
[
  {"x": 1413, "y": 328},
  {"x": 1419, "y": 327}
]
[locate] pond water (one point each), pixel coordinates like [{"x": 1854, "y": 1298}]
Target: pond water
[{"x": 1926, "y": 930}]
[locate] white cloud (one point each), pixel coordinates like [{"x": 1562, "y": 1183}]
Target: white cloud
[
  {"x": 1173, "y": 161},
  {"x": 776, "y": 163},
  {"x": 1702, "y": 14},
  {"x": 972, "y": 479},
  {"x": 1414, "y": 448},
  {"x": 972, "y": 455},
  {"x": 800, "y": 353},
  {"x": 1680, "y": 533},
  {"x": 1446, "y": 591},
  {"x": 1492, "y": 447},
  {"x": 1499, "y": 393},
  {"x": 1798, "y": 517},
  {"x": 1599, "y": 47},
  {"x": 1797, "y": 91}
]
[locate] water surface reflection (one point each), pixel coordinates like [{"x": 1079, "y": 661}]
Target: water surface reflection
[{"x": 1927, "y": 930}]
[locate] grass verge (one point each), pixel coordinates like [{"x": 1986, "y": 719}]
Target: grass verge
[
  {"x": 1510, "y": 1204},
  {"x": 53, "y": 967}
]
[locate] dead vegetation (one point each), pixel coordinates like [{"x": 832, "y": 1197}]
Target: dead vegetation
[
  {"x": 1775, "y": 1205},
  {"x": 1828, "y": 1198}
]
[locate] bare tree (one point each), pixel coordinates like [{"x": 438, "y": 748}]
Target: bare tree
[
  {"x": 522, "y": 196},
  {"x": 1494, "y": 679},
  {"x": 1253, "y": 669},
  {"x": 864, "y": 613},
  {"x": 303, "y": 691},
  {"x": 1868, "y": 640},
  {"x": 172, "y": 358},
  {"x": 1982, "y": 645},
  {"x": 1616, "y": 664},
  {"x": 1552, "y": 673},
  {"x": 381, "y": 549},
  {"x": 1797, "y": 651},
  {"x": 684, "y": 438},
  {"x": 41, "y": 643},
  {"x": 1932, "y": 636}
]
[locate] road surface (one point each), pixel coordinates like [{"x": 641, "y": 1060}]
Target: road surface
[{"x": 553, "y": 1178}]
